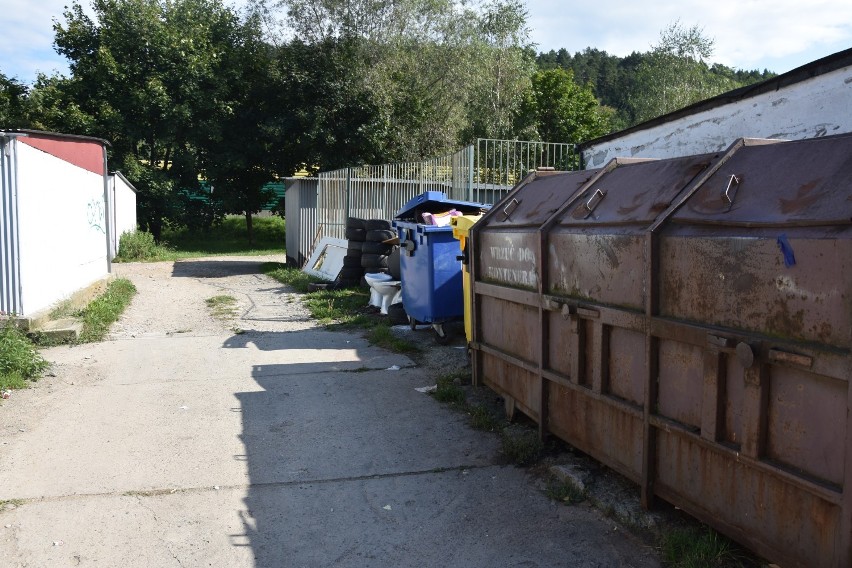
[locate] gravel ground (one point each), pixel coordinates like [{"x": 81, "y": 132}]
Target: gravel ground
[{"x": 261, "y": 305}]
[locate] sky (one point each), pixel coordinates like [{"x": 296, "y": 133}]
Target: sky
[{"x": 778, "y": 35}]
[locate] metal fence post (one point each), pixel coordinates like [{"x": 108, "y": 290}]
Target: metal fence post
[
  {"x": 470, "y": 153},
  {"x": 347, "y": 198}
]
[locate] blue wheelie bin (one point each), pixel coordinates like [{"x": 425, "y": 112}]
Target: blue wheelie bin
[{"x": 430, "y": 260}]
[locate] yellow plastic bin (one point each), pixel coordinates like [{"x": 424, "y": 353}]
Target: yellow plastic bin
[{"x": 461, "y": 230}]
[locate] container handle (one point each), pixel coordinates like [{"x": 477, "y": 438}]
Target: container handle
[
  {"x": 594, "y": 200},
  {"x": 734, "y": 180},
  {"x": 510, "y": 208}
]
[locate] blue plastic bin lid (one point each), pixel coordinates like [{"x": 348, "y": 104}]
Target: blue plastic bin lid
[{"x": 435, "y": 202}]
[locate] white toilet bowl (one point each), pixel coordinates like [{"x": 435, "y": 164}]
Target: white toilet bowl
[{"x": 384, "y": 291}]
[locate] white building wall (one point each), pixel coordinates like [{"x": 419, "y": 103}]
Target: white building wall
[
  {"x": 62, "y": 228},
  {"x": 123, "y": 198},
  {"x": 815, "y": 107}
]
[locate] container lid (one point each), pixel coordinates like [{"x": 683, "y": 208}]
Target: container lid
[{"x": 435, "y": 202}]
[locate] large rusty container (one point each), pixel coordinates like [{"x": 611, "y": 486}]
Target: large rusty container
[{"x": 688, "y": 322}]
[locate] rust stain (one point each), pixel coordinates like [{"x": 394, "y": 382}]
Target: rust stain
[{"x": 804, "y": 198}]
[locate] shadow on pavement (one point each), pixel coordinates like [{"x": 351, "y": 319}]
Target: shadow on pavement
[
  {"x": 325, "y": 447},
  {"x": 215, "y": 268}
]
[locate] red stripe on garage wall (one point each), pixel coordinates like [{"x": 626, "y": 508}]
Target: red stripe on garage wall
[{"x": 81, "y": 153}]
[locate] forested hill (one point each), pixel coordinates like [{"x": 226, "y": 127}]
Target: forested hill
[{"x": 625, "y": 83}]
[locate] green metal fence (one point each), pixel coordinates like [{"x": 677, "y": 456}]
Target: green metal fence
[{"x": 483, "y": 172}]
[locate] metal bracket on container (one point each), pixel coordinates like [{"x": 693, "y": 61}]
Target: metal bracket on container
[
  {"x": 719, "y": 341},
  {"x": 778, "y": 356},
  {"x": 510, "y": 208},
  {"x": 587, "y": 313}
]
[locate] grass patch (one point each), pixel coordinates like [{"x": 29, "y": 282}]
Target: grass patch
[
  {"x": 228, "y": 238},
  {"x": 382, "y": 336},
  {"x": 104, "y": 310},
  {"x": 521, "y": 447},
  {"x": 290, "y": 276},
  {"x": 483, "y": 419},
  {"x": 20, "y": 361},
  {"x": 338, "y": 306},
  {"x": 564, "y": 491},
  {"x": 328, "y": 306},
  {"x": 64, "y": 309},
  {"x": 4, "y": 503},
  {"x": 449, "y": 390},
  {"x": 222, "y": 307},
  {"x": 699, "y": 548}
]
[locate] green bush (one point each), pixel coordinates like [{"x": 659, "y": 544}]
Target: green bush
[
  {"x": 139, "y": 245},
  {"x": 19, "y": 358}
]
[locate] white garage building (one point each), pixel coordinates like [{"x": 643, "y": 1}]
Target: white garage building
[{"x": 55, "y": 233}]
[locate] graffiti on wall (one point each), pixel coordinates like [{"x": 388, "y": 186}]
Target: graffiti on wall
[{"x": 95, "y": 215}]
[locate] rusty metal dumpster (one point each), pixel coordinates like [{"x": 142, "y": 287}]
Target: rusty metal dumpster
[{"x": 688, "y": 322}]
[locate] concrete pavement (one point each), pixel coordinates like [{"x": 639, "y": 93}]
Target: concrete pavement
[{"x": 270, "y": 448}]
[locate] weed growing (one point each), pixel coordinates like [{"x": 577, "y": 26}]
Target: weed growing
[
  {"x": 483, "y": 419},
  {"x": 338, "y": 306},
  {"x": 105, "y": 310},
  {"x": 288, "y": 275},
  {"x": 449, "y": 391},
  {"x": 382, "y": 336},
  {"x": 564, "y": 491},
  {"x": 699, "y": 548},
  {"x": 222, "y": 307},
  {"x": 20, "y": 361},
  {"x": 521, "y": 447}
]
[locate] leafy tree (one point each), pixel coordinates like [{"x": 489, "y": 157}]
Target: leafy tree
[
  {"x": 418, "y": 72},
  {"x": 52, "y": 105},
  {"x": 675, "y": 74},
  {"x": 562, "y": 111},
  {"x": 503, "y": 75},
  {"x": 13, "y": 97},
  {"x": 154, "y": 76},
  {"x": 632, "y": 85},
  {"x": 326, "y": 116}
]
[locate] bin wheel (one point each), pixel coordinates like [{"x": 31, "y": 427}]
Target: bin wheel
[
  {"x": 441, "y": 335},
  {"x": 412, "y": 323}
]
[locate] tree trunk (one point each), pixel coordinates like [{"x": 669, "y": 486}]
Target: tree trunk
[{"x": 249, "y": 228}]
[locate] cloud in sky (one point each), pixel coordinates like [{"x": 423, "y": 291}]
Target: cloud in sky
[
  {"x": 774, "y": 34},
  {"x": 27, "y": 44}
]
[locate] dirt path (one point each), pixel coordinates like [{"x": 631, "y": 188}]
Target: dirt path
[{"x": 180, "y": 442}]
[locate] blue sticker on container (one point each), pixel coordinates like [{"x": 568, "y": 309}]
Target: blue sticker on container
[{"x": 786, "y": 250}]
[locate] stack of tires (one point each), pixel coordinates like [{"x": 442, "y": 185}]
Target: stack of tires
[
  {"x": 374, "y": 251},
  {"x": 352, "y": 273},
  {"x": 367, "y": 251}
]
